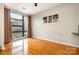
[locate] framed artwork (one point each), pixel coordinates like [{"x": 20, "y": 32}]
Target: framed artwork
[
  {"x": 49, "y": 19},
  {"x": 55, "y": 17},
  {"x": 44, "y": 19}
]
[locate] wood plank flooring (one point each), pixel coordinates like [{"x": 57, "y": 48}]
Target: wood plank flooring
[
  {"x": 15, "y": 48},
  {"x": 40, "y": 47},
  {"x": 8, "y": 49}
]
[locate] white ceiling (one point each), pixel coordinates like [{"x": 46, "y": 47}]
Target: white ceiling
[{"x": 30, "y": 9}]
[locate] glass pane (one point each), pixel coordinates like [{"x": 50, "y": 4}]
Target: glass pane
[
  {"x": 16, "y": 28},
  {"x": 16, "y": 22},
  {"x": 17, "y": 35},
  {"x": 16, "y": 16}
]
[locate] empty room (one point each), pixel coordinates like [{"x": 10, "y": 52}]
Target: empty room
[{"x": 39, "y": 28}]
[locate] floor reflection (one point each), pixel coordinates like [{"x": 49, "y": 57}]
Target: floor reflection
[{"x": 19, "y": 47}]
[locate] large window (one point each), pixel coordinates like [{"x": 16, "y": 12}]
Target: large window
[
  {"x": 17, "y": 25},
  {"x": 16, "y": 16}
]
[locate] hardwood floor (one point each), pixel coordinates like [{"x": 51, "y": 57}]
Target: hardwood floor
[
  {"x": 8, "y": 49},
  {"x": 38, "y": 47},
  {"x": 15, "y": 48},
  {"x": 42, "y": 47}
]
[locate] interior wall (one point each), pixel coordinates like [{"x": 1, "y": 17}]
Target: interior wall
[
  {"x": 60, "y": 31},
  {"x": 1, "y": 26}
]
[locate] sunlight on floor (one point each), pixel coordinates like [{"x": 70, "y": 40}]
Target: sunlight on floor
[{"x": 20, "y": 47}]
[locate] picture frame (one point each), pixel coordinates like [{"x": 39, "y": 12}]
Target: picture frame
[
  {"x": 44, "y": 19},
  {"x": 55, "y": 17},
  {"x": 50, "y": 19}
]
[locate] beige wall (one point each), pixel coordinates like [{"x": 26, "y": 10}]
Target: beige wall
[
  {"x": 60, "y": 31},
  {"x": 2, "y": 26}
]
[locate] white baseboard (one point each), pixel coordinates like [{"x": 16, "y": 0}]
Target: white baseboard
[{"x": 77, "y": 46}]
